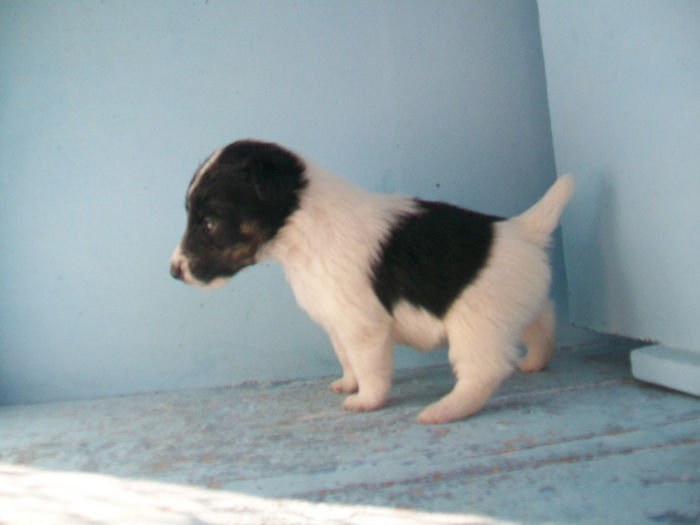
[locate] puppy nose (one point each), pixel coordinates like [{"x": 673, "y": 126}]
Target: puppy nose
[{"x": 176, "y": 270}]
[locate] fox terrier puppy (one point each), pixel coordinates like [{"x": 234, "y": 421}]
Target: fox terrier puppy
[{"x": 375, "y": 270}]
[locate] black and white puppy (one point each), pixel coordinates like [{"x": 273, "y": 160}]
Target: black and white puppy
[{"x": 376, "y": 269}]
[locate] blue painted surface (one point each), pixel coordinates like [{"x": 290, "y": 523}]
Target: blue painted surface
[
  {"x": 581, "y": 442},
  {"x": 623, "y": 82},
  {"x": 107, "y": 108}
]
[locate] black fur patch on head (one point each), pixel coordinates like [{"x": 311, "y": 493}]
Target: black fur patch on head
[
  {"x": 237, "y": 205},
  {"x": 431, "y": 256}
]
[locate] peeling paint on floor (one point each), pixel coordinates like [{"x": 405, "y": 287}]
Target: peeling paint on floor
[{"x": 581, "y": 441}]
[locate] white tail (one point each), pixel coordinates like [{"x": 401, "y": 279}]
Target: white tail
[{"x": 540, "y": 220}]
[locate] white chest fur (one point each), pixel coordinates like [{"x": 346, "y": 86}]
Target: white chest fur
[{"x": 328, "y": 245}]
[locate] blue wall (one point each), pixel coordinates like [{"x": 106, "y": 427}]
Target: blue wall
[
  {"x": 107, "y": 108},
  {"x": 624, "y": 91}
]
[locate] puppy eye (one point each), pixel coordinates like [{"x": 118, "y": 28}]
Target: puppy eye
[{"x": 209, "y": 225}]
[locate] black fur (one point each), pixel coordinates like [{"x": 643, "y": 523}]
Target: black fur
[
  {"x": 240, "y": 203},
  {"x": 431, "y": 256}
]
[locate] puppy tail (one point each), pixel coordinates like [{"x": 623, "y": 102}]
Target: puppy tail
[{"x": 540, "y": 220}]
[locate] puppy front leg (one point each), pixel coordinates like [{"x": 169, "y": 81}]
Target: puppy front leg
[
  {"x": 348, "y": 383},
  {"x": 371, "y": 359}
]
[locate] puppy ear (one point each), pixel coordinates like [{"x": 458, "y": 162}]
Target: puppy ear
[{"x": 273, "y": 180}]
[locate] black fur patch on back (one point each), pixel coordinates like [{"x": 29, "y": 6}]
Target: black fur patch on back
[{"x": 431, "y": 256}]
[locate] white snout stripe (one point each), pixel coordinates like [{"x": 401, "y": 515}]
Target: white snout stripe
[{"x": 205, "y": 167}]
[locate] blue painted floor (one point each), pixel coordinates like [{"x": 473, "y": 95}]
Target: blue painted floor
[{"x": 580, "y": 442}]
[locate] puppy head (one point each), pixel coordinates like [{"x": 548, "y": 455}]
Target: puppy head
[{"x": 236, "y": 202}]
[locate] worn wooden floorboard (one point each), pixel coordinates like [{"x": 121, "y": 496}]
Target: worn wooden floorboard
[{"x": 579, "y": 442}]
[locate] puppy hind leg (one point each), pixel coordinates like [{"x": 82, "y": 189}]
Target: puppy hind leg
[
  {"x": 480, "y": 367},
  {"x": 372, "y": 360},
  {"x": 539, "y": 338}
]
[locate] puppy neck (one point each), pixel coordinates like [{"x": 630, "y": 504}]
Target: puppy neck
[{"x": 335, "y": 216}]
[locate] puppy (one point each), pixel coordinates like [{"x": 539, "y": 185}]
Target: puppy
[{"x": 375, "y": 270}]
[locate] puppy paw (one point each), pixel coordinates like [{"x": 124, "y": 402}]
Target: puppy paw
[
  {"x": 359, "y": 403},
  {"x": 440, "y": 413},
  {"x": 433, "y": 416},
  {"x": 530, "y": 366},
  {"x": 344, "y": 386}
]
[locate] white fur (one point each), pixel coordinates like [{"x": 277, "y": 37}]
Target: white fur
[
  {"x": 327, "y": 248},
  {"x": 205, "y": 167}
]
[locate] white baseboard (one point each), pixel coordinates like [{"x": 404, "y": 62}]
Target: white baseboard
[{"x": 674, "y": 368}]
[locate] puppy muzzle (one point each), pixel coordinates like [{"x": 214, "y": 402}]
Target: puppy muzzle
[
  {"x": 180, "y": 270},
  {"x": 178, "y": 265},
  {"x": 176, "y": 270}
]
